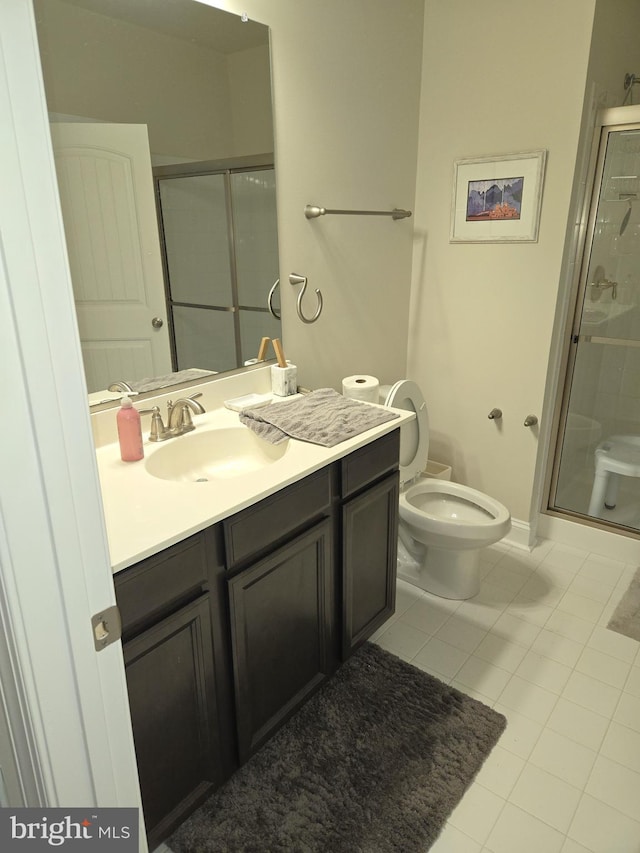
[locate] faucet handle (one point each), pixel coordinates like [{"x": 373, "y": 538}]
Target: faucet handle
[
  {"x": 158, "y": 430},
  {"x": 198, "y": 405},
  {"x": 121, "y": 385}
]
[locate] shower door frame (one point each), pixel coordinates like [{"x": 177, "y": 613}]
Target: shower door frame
[
  {"x": 225, "y": 168},
  {"x": 608, "y": 121}
]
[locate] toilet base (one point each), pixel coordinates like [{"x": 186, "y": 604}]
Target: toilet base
[{"x": 446, "y": 572}]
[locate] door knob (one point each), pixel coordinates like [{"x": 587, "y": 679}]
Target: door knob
[
  {"x": 157, "y": 322},
  {"x": 530, "y": 420}
]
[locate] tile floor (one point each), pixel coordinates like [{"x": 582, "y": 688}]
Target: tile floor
[{"x": 565, "y": 775}]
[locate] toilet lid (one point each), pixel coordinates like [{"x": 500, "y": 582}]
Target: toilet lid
[{"x": 414, "y": 435}]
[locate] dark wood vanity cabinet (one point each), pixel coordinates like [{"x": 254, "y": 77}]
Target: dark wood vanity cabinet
[
  {"x": 227, "y": 633},
  {"x": 369, "y": 549},
  {"x": 172, "y": 679},
  {"x": 281, "y": 628},
  {"x": 326, "y": 587},
  {"x": 369, "y": 539},
  {"x": 281, "y": 605}
]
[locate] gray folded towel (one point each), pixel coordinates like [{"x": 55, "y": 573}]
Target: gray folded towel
[
  {"x": 156, "y": 382},
  {"x": 321, "y": 417}
]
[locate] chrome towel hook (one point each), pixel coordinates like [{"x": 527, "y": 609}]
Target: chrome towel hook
[
  {"x": 294, "y": 278},
  {"x": 272, "y": 292}
]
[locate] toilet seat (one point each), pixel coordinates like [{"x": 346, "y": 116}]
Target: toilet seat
[
  {"x": 454, "y": 511},
  {"x": 414, "y": 444}
]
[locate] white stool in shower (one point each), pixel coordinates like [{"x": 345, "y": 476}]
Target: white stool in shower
[{"x": 617, "y": 456}]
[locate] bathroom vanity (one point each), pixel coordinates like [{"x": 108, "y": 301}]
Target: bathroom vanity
[{"x": 229, "y": 629}]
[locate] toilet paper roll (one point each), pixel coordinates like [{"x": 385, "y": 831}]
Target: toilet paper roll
[
  {"x": 364, "y": 388},
  {"x": 383, "y": 393}
]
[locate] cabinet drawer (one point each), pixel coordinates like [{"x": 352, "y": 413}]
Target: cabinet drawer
[
  {"x": 149, "y": 588},
  {"x": 263, "y": 526},
  {"x": 368, "y": 464}
]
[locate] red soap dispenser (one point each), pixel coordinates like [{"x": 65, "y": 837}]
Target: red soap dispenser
[{"x": 129, "y": 432}]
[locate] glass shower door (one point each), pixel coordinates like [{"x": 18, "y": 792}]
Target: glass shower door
[
  {"x": 253, "y": 198},
  {"x": 198, "y": 263},
  {"x": 220, "y": 246},
  {"x": 597, "y": 468}
]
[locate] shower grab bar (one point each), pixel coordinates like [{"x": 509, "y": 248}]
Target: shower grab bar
[{"x": 312, "y": 211}]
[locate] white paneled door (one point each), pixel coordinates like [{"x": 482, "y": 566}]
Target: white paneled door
[
  {"x": 66, "y": 703},
  {"x": 106, "y": 192}
]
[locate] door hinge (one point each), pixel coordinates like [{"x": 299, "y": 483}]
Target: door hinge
[{"x": 107, "y": 627}]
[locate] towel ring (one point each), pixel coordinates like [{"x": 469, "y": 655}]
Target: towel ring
[
  {"x": 272, "y": 293},
  {"x": 294, "y": 278}
]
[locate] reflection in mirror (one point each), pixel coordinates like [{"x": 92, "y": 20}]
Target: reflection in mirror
[
  {"x": 214, "y": 267},
  {"x": 178, "y": 279}
]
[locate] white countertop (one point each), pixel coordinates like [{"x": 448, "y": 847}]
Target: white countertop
[{"x": 145, "y": 514}]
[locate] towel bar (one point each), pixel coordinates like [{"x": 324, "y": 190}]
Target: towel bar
[{"x": 312, "y": 211}]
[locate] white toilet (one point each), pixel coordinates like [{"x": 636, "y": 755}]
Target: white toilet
[{"x": 444, "y": 525}]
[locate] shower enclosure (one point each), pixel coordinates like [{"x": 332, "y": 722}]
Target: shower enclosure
[
  {"x": 596, "y": 474},
  {"x": 220, "y": 252}
]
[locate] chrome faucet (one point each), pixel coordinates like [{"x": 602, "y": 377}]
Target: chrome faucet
[
  {"x": 600, "y": 283},
  {"x": 179, "y": 419},
  {"x": 120, "y": 386},
  {"x": 597, "y": 289}
]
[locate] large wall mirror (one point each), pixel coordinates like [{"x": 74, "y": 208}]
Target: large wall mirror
[{"x": 162, "y": 128}]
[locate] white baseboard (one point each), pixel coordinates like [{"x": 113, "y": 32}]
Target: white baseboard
[
  {"x": 519, "y": 535},
  {"x": 616, "y": 546}
]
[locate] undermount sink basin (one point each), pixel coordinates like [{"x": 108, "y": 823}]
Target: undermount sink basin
[{"x": 216, "y": 454}]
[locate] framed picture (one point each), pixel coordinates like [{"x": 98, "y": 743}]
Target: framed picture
[{"x": 497, "y": 199}]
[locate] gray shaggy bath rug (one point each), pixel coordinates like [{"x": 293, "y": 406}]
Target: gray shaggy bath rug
[
  {"x": 626, "y": 619},
  {"x": 376, "y": 761}
]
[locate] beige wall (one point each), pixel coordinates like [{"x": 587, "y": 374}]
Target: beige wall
[
  {"x": 482, "y": 314},
  {"x": 615, "y": 50},
  {"x": 346, "y": 87},
  {"x": 183, "y": 91},
  {"x": 250, "y": 101}
]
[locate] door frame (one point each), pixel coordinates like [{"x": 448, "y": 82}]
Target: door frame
[
  {"x": 605, "y": 122},
  {"x": 70, "y": 713}
]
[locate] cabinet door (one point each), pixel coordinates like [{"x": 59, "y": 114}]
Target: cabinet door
[
  {"x": 170, "y": 678},
  {"x": 281, "y": 628},
  {"x": 369, "y": 554}
]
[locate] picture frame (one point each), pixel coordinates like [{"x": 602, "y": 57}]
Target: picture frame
[{"x": 498, "y": 199}]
